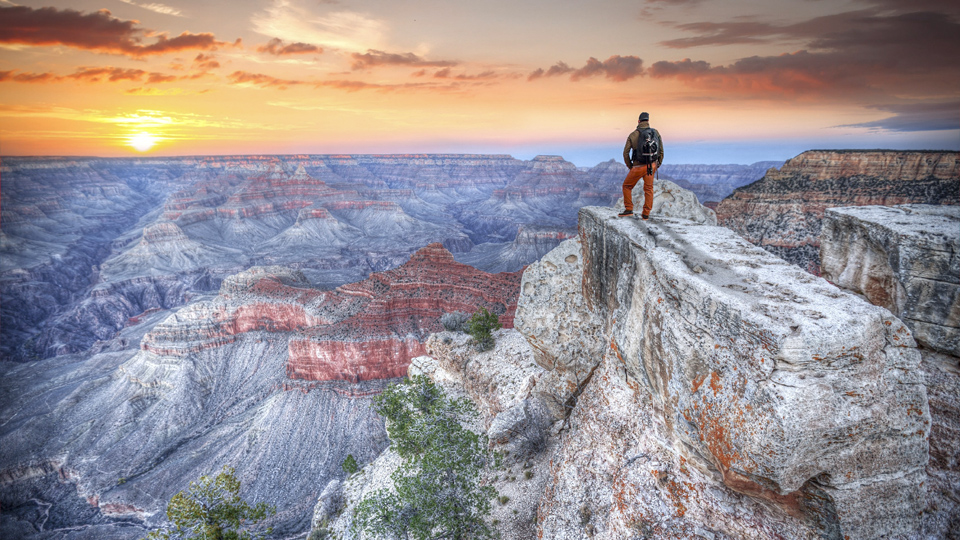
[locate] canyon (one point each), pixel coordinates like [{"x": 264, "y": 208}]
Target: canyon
[
  {"x": 90, "y": 243},
  {"x": 163, "y": 317},
  {"x": 272, "y": 375}
]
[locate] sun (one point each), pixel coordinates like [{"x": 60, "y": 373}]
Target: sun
[{"x": 143, "y": 141}]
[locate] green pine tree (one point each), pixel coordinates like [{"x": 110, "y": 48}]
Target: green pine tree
[
  {"x": 481, "y": 326},
  {"x": 211, "y": 509},
  {"x": 438, "y": 489}
]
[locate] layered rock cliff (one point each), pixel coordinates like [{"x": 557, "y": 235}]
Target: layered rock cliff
[
  {"x": 693, "y": 385},
  {"x": 783, "y": 211},
  {"x": 904, "y": 258}
]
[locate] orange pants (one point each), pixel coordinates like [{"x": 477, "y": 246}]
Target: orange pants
[{"x": 637, "y": 172}]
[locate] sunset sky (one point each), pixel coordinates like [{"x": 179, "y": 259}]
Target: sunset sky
[{"x": 725, "y": 81}]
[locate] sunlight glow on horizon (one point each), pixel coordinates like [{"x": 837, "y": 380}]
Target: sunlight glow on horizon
[{"x": 143, "y": 141}]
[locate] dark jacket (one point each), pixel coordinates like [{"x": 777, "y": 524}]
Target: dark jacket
[{"x": 632, "y": 141}]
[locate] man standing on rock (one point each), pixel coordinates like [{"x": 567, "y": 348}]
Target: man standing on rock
[{"x": 647, "y": 148}]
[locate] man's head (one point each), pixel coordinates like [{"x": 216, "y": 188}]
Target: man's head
[{"x": 644, "y": 117}]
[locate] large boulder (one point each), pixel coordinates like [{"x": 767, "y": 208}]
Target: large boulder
[
  {"x": 905, "y": 258},
  {"x": 566, "y": 337},
  {"x": 671, "y": 200},
  {"x": 791, "y": 389}
]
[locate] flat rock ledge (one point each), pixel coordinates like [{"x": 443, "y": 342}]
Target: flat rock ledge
[
  {"x": 791, "y": 389},
  {"x": 905, "y": 258}
]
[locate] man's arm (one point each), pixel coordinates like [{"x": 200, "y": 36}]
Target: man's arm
[
  {"x": 660, "y": 158},
  {"x": 626, "y": 151}
]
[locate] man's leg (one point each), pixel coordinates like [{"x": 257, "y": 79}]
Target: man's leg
[
  {"x": 648, "y": 189},
  {"x": 628, "y": 183}
]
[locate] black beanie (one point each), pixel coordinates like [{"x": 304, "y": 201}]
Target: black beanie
[{"x": 644, "y": 117}]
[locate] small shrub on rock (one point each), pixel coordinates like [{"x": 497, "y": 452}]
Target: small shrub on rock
[
  {"x": 212, "y": 508},
  {"x": 454, "y": 322},
  {"x": 481, "y": 326},
  {"x": 350, "y": 465}
]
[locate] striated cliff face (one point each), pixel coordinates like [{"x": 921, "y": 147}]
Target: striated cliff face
[
  {"x": 904, "y": 258},
  {"x": 693, "y": 385},
  {"x": 783, "y": 211},
  {"x": 726, "y": 338},
  {"x": 357, "y": 332}
]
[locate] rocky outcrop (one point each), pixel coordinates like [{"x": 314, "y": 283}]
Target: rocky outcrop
[
  {"x": 941, "y": 375},
  {"x": 566, "y": 337},
  {"x": 671, "y": 200},
  {"x": 907, "y": 259},
  {"x": 904, "y": 258},
  {"x": 692, "y": 386},
  {"x": 784, "y": 210},
  {"x": 726, "y": 338},
  {"x": 695, "y": 386}
]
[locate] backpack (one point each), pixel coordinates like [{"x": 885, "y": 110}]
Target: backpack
[{"x": 647, "y": 149}]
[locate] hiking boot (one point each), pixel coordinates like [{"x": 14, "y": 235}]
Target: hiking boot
[
  {"x": 645, "y": 217},
  {"x": 625, "y": 213}
]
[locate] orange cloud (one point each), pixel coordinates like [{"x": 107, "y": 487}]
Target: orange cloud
[
  {"x": 617, "y": 68},
  {"x": 259, "y": 79},
  {"x": 112, "y": 74},
  {"x": 98, "y": 31},
  {"x": 93, "y": 75},
  {"x": 206, "y": 61},
  {"x": 445, "y": 73},
  {"x": 276, "y": 47},
  {"x": 374, "y": 58},
  {"x": 13, "y": 76},
  {"x": 161, "y": 78},
  {"x": 893, "y": 50}
]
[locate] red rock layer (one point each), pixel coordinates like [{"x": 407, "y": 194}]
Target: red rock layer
[
  {"x": 361, "y": 331},
  {"x": 351, "y": 361}
]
